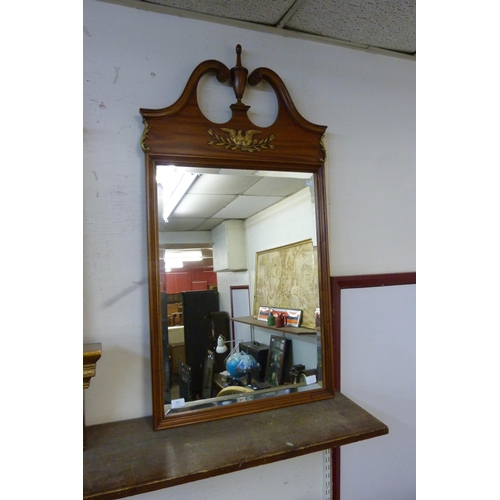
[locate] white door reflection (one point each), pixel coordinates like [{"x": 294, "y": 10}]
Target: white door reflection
[{"x": 240, "y": 307}]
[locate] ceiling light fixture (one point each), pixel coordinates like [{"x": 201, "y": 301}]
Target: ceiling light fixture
[
  {"x": 175, "y": 185},
  {"x": 174, "y": 259},
  {"x": 184, "y": 255}
]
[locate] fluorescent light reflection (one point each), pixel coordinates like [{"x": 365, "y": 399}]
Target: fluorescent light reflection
[
  {"x": 174, "y": 259},
  {"x": 291, "y": 175},
  {"x": 175, "y": 184}
]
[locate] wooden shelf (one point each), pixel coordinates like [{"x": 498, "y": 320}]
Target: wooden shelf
[
  {"x": 128, "y": 457},
  {"x": 249, "y": 320}
]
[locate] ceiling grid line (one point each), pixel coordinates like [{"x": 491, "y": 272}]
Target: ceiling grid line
[{"x": 291, "y": 11}]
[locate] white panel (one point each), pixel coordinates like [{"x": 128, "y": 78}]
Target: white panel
[
  {"x": 229, "y": 246},
  {"x": 202, "y": 205},
  {"x": 378, "y": 372},
  {"x": 277, "y": 186},
  {"x": 298, "y": 478},
  {"x": 223, "y": 184},
  {"x": 245, "y": 206},
  {"x": 240, "y": 301},
  {"x": 224, "y": 282}
]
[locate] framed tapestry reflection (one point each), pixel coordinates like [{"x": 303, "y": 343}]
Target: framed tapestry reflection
[{"x": 287, "y": 277}]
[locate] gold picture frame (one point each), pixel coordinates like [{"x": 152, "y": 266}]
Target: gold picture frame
[{"x": 287, "y": 277}]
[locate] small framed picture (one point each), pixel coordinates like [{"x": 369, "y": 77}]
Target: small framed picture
[
  {"x": 275, "y": 370},
  {"x": 263, "y": 313},
  {"x": 293, "y": 316}
]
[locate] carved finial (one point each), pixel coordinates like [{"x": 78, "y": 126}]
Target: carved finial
[
  {"x": 239, "y": 76},
  {"x": 238, "y": 55}
]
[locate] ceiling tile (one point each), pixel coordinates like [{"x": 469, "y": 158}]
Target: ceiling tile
[
  {"x": 201, "y": 205},
  {"x": 256, "y": 11},
  {"x": 272, "y": 186},
  {"x": 182, "y": 224},
  {"x": 222, "y": 184},
  {"x": 246, "y": 206},
  {"x": 389, "y": 24},
  {"x": 209, "y": 224},
  {"x": 386, "y": 24}
]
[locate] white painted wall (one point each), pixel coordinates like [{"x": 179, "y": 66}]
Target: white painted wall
[
  {"x": 134, "y": 58},
  {"x": 299, "y": 478}
]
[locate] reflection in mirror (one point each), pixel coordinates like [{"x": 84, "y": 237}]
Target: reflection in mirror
[{"x": 255, "y": 230}]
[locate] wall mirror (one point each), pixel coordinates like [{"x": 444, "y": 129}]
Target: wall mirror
[{"x": 234, "y": 206}]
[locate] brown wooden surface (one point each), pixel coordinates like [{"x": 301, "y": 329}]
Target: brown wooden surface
[
  {"x": 249, "y": 320},
  {"x": 181, "y": 130},
  {"x": 126, "y": 458}
]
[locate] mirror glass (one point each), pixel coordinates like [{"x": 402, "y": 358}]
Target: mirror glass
[{"x": 238, "y": 285}]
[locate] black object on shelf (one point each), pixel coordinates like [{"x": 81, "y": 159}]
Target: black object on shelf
[{"x": 260, "y": 352}]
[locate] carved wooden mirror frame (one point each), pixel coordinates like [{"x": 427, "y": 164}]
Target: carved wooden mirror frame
[{"x": 181, "y": 134}]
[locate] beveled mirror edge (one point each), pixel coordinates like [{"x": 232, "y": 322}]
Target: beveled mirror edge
[{"x": 157, "y": 153}]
